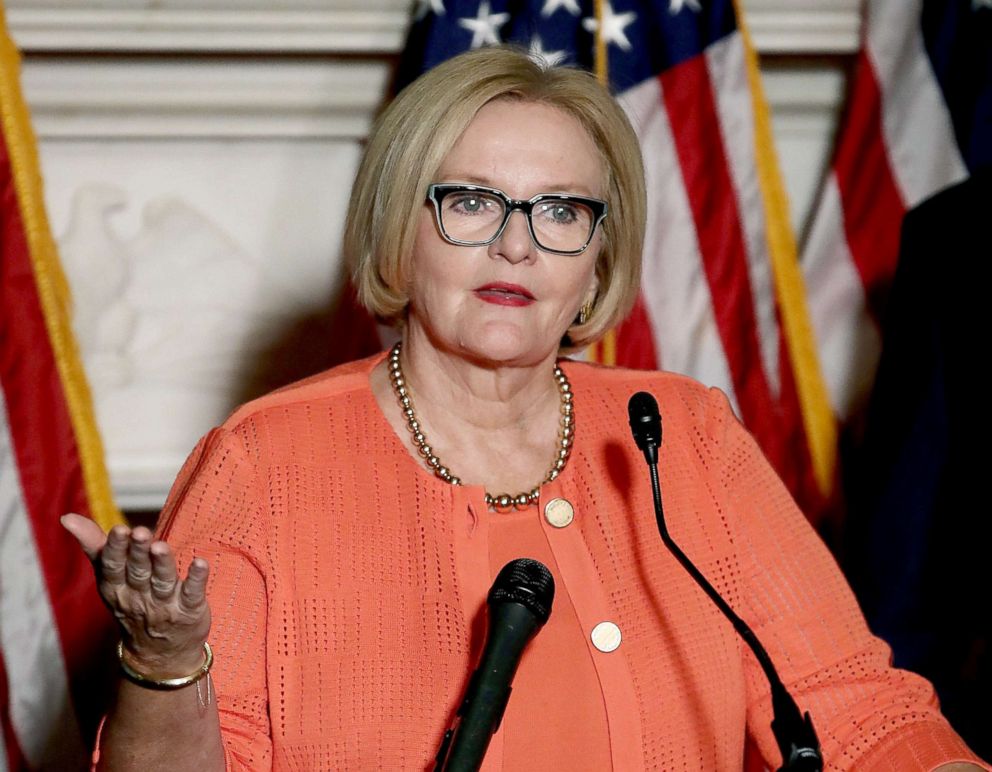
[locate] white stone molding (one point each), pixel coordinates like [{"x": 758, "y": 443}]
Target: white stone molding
[
  {"x": 350, "y": 26},
  {"x": 804, "y": 26},
  {"x": 190, "y": 98},
  {"x": 367, "y": 26}
]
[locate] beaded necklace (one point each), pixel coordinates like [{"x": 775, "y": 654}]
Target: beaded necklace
[{"x": 501, "y": 502}]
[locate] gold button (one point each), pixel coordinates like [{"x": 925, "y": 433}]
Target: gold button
[
  {"x": 606, "y": 637},
  {"x": 559, "y": 513}
]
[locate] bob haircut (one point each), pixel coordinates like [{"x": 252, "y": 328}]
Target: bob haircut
[{"x": 412, "y": 137}]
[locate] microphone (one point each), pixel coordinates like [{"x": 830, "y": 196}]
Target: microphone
[
  {"x": 645, "y": 424},
  {"x": 519, "y": 605},
  {"x": 794, "y": 733}
]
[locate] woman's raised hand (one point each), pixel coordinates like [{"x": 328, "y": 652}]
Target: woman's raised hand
[{"x": 164, "y": 619}]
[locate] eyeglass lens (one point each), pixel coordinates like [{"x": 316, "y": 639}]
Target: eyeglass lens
[{"x": 475, "y": 216}]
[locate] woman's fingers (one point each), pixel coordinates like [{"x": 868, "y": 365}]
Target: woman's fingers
[
  {"x": 163, "y": 578},
  {"x": 113, "y": 559},
  {"x": 89, "y": 535},
  {"x": 160, "y": 616},
  {"x": 194, "y": 592},
  {"x": 138, "y": 567}
]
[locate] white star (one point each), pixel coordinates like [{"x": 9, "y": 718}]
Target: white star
[
  {"x": 483, "y": 27},
  {"x": 976, "y": 4},
  {"x": 613, "y": 25},
  {"x": 675, "y": 6},
  {"x": 545, "y": 58},
  {"x": 425, "y": 7},
  {"x": 550, "y": 6}
]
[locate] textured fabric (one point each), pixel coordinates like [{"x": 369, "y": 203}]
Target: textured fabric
[
  {"x": 547, "y": 719},
  {"x": 348, "y": 584}
]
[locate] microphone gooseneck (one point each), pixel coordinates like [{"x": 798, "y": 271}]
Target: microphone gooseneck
[
  {"x": 519, "y": 604},
  {"x": 793, "y": 730}
]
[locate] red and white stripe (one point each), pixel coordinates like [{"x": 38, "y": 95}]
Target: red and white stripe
[
  {"x": 52, "y": 623},
  {"x": 43, "y": 733},
  {"x": 896, "y": 148},
  {"x": 708, "y": 292},
  {"x": 707, "y": 284}
]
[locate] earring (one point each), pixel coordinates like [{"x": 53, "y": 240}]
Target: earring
[{"x": 585, "y": 312}]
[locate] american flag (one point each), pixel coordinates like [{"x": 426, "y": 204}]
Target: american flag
[
  {"x": 722, "y": 297},
  {"x": 919, "y": 119},
  {"x": 53, "y": 628}
]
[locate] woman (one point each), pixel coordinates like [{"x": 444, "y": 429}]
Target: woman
[{"x": 353, "y": 522}]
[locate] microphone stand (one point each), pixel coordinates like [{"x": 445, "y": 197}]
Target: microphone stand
[{"x": 793, "y": 730}]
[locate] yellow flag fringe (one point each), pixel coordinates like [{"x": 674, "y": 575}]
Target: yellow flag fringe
[
  {"x": 53, "y": 289},
  {"x": 818, "y": 416}
]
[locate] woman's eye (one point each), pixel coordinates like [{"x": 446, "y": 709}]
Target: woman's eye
[
  {"x": 561, "y": 214},
  {"x": 468, "y": 204}
]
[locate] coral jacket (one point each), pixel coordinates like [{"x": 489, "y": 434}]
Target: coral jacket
[{"x": 348, "y": 589}]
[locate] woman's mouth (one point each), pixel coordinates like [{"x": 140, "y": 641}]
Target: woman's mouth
[{"x": 503, "y": 294}]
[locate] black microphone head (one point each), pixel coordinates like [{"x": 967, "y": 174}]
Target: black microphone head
[
  {"x": 645, "y": 421},
  {"x": 527, "y": 582}
]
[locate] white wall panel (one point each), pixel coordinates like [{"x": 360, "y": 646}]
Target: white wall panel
[
  {"x": 203, "y": 273},
  {"x": 188, "y": 97}
]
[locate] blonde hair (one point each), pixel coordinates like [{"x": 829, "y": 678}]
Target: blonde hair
[{"x": 412, "y": 137}]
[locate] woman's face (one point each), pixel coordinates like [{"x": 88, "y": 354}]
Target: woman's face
[{"x": 508, "y": 302}]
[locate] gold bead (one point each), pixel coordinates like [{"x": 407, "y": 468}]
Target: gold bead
[
  {"x": 521, "y": 501},
  {"x": 401, "y": 391},
  {"x": 443, "y": 473},
  {"x": 503, "y": 503},
  {"x": 434, "y": 461},
  {"x": 419, "y": 438},
  {"x": 455, "y": 481},
  {"x": 408, "y": 412},
  {"x": 425, "y": 451},
  {"x": 553, "y": 474},
  {"x": 566, "y": 396}
]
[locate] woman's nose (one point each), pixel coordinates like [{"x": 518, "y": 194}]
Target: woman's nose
[{"x": 514, "y": 243}]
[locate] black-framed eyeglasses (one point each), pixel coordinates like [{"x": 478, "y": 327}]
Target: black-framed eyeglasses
[{"x": 473, "y": 215}]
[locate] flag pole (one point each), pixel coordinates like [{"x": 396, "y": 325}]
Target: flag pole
[
  {"x": 53, "y": 289},
  {"x": 818, "y": 417},
  {"x": 605, "y": 350}
]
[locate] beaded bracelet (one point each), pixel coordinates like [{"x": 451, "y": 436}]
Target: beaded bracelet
[{"x": 166, "y": 684}]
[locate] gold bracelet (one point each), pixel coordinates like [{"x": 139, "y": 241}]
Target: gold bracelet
[{"x": 166, "y": 684}]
